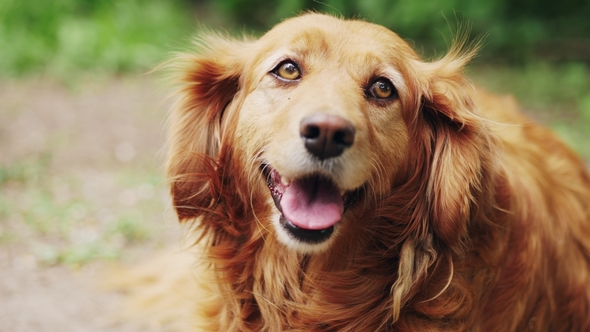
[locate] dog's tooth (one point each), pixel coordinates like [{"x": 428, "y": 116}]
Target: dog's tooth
[{"x": 285, "y": 181}]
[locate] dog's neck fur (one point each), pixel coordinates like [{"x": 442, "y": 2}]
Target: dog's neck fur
[{"x": 264, "y": 286}]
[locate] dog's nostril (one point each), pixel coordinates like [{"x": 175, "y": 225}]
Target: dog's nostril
[
  {"x": 310, "y": 131},
  {"x": 326, "y": 136},
  {"x": 345, "y": 137}
]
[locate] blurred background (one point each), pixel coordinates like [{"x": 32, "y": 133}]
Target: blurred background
[{"x": 81, "y": 121}]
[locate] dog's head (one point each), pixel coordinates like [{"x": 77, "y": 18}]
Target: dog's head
[{"x": 315, "y": 119}]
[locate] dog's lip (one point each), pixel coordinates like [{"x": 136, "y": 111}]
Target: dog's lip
[
  {"x": 278, "y": 184},
  {"x": 306, "y": 235}
]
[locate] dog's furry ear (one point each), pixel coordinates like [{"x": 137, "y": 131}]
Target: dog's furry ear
[
  {"x": 453, "y": 158},
  {"x": 457, "y": 145},
  {"x": 208, "y": 81}
]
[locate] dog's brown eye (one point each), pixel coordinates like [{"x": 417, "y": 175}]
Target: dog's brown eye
[
  {"x": 288, "y": 71},
  {"x": 382, "y": 89}
]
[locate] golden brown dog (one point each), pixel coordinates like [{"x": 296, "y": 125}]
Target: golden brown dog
[{"x": 338, "y": 182}]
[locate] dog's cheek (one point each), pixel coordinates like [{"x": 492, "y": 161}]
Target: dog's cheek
[
  {"x": 254, "y": 125},
  {"x": 389, "y": 143},
  {"x": 268, "y": 127}
]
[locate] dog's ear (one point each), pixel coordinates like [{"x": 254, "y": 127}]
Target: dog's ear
[
  {"x": 208, "y": 81},
  {"x": 457, "y": 147}
]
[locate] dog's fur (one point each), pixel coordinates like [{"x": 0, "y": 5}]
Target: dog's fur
[{"x": 465, "y": 216}]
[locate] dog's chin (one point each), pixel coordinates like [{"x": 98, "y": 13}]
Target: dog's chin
[
  {"x": 294, "y": 241},
  {"x": 309, "y": 209}
]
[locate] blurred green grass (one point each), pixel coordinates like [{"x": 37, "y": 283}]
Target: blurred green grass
[{"x": 62, "y": 38}]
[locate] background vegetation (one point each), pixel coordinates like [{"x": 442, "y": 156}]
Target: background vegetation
[
  {"x": 538, "y": 50},
  {"x": 516, "y": 29},
  {"x": 116, "y": 36},
  {"x": 65, "y": 37}
]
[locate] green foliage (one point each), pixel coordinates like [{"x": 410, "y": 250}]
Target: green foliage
[
  {"x": 515, "y": 29},
  {"x": 57, "y": 37},
  {"x": 64, "y": 37},
  {"x": 555, "y": 94}
]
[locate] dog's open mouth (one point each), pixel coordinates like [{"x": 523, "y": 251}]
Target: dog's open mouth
[{"x": 309, "y": 206}]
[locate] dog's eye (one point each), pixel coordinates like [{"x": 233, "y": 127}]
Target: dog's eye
[
  {"x": 287, "y": 70},
  {"x": 382, "y": 89}
]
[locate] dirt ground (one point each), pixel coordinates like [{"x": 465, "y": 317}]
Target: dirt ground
[
  {"x": 98, "y": 198},
  {"x": 81, "y": 189},
  {"x": 56, "y": 298}
]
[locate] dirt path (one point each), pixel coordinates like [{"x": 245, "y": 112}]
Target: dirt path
[
  {"x": 80, "y": 184},
  {"x": 56, "y": 298}
]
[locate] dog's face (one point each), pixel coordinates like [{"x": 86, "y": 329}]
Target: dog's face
[
  {"x": 323, "y": 119},
  {"x": 316, "y": 112}
]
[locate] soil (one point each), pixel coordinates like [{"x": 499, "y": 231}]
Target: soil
[{"x": 93, "y": 129}]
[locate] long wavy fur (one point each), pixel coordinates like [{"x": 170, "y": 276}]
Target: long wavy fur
[{"x": 452, "y": 246}]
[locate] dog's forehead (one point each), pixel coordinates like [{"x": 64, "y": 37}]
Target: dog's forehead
[{"x": 317, "y": 33}]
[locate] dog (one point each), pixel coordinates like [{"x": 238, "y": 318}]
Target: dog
[{"x": 336, "y": 181}]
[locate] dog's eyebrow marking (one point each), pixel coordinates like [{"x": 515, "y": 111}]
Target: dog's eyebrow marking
[
  {"x": 301, "y": 48},
  {"x": 377, "y": 66},
  {"x": 311, "y": 42}
]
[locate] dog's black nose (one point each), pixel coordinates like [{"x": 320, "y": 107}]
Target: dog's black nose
[{"x": 325, "y": 135}]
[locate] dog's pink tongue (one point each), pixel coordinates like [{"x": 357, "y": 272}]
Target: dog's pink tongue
[{"x": 312, "y": 204}]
